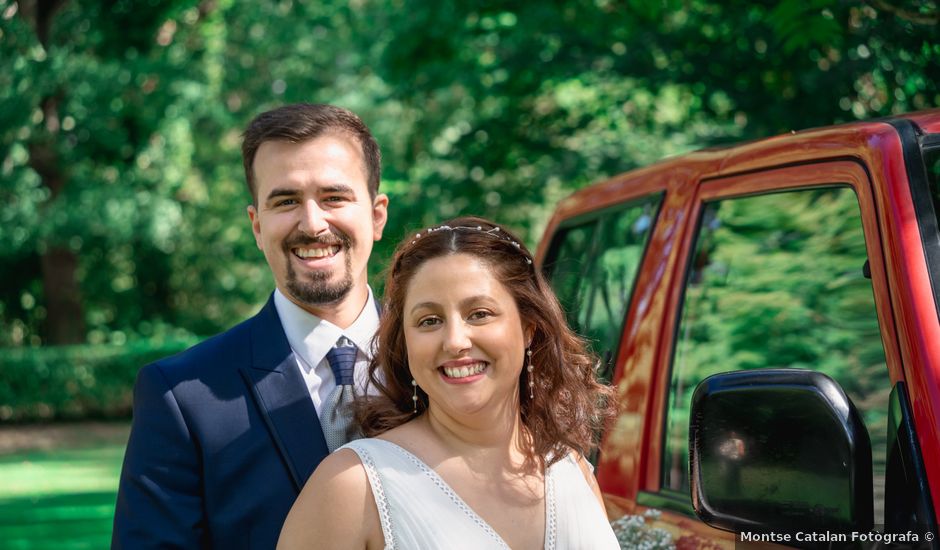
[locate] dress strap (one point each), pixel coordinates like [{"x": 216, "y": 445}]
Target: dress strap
[
  {"x": 378, "y": 492},
  {"x": 551, "y": 514}
]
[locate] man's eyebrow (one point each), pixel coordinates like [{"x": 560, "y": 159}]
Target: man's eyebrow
[
  {"x": 280, "y": 192},
  {"x": 338, "y": 188},
  {"x": 292, "y": 192}
]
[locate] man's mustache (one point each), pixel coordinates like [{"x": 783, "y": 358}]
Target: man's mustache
[{"x": 329, "y": 239}]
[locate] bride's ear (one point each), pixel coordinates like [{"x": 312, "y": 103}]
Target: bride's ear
[{"x": 529, "y": 332}]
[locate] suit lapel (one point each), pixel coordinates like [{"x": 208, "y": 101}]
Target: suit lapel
[{"x": 282, "y": 397}]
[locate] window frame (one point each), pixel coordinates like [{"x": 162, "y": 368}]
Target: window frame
[
  {"x": 842, "y": 172},
  {"x": 914, "y": 145}
]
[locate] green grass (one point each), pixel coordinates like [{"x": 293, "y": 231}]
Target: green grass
[{"x": 62, "y": 498}]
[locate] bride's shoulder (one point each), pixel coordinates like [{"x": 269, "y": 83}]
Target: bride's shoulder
[
  {"x": 335, "y": 504},
  {"x": 575, "y": 458},
  {"x": 570, "y": 456},
  {"x": 587, "y": 470},
  {"x": 344, "y": 463},
  {"x": 340, "y": 474}
]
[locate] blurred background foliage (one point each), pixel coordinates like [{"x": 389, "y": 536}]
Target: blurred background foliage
[{"x": 123, "y": 217}]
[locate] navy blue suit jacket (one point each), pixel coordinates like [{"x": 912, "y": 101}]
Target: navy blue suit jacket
[{"x": 224, "y": 437}]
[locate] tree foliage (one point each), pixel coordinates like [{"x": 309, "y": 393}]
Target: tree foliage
[{"x": 120, "y": 122}]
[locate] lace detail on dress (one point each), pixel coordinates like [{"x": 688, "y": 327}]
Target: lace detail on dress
[
  {"x": 454, "y": 497},
  {"x": 551, "y": 522},
  {"x": 378, "y": 492}
]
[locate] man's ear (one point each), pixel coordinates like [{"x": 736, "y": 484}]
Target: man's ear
[
  {"x": 255, "y": 225},
  {"x": 379, "y": 215}
]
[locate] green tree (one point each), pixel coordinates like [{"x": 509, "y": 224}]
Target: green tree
[
  {"x": 120, "y": 122},
  {"x": 88, "y": 86}
]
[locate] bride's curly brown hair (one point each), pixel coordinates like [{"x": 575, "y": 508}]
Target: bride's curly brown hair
[{"x": 569, "y": 407}]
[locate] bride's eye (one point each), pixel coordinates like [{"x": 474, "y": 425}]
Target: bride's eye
[
  {"x": 480, "y": 314},
  {"x": 428, "y": 322}
]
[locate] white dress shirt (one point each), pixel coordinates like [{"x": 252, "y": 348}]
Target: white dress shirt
[{"x": 311, "y": 338}]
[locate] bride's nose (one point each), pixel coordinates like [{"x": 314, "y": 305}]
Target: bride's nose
[{"x": 457, "y": 338}]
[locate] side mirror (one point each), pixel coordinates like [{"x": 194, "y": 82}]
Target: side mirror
[{"x": 779, "y": 450}]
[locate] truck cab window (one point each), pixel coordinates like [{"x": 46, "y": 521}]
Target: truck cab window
[{"x": 592, "y": 266}]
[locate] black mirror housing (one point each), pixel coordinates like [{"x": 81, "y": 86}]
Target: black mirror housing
[{"x": 779, "y": 450}]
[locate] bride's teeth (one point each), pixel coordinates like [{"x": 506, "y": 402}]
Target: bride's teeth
[{"x": 465, "y": 371}]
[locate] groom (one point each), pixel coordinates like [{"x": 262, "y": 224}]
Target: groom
[{"x": 226, "y": 433}]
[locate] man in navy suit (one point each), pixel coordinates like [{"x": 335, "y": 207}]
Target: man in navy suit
[{"x": 226, "y": 433}]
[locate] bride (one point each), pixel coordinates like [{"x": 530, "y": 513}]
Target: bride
[{"x": 487, "y": 406}]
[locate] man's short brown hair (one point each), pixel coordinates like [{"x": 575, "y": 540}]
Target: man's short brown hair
[{"x": 299, "y": 122}]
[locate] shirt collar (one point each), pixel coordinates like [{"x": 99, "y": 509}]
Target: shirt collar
[
  {"x": 363, "y": 329},
  {"x": 311, "y": 337}
]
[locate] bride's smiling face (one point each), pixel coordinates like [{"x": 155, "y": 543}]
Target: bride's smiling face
[{"x": 464, "y": 336}]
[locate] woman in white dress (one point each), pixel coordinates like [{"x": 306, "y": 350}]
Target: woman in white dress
[{"x": 487, "y": 406}]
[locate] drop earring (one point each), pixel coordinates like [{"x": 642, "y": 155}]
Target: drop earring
[
  {"x": 530, "y": 370},
  {"x": 414, "y": 396}
]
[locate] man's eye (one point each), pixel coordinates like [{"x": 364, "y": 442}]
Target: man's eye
[{"x": 286, "y": 202}]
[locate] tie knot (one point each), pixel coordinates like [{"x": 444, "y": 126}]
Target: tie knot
[{"x": 342, "y": 359}]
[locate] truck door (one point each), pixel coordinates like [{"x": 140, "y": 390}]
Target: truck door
[{"x": 784, "y": 269}]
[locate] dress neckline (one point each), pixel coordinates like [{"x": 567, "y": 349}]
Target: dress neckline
[{"x": 548, "y": 491}]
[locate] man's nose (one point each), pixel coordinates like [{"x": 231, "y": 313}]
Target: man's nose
[{"x": 312, "y": 218}]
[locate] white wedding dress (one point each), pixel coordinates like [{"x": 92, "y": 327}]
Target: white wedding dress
[{"x": 419, "y": 510}]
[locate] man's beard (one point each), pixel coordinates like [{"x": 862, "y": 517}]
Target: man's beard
[{"x": 315, "y": 289}]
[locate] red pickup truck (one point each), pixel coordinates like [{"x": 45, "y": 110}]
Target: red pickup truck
[{"x": 769, "y": 314}]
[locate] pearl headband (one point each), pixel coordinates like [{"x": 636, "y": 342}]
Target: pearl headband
[{"x": 494, "y": 232}]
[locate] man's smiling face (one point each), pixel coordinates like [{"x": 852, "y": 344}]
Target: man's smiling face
[{"x": 315, "y": 221}]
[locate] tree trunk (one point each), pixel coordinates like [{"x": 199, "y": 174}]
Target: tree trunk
[{"x": 65, "y": 316}]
